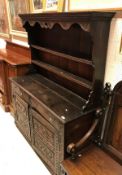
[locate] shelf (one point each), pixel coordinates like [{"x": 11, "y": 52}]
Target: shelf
[
  {"x": 63, "y": 92},
  {"x": 69, "y": 57},
  {"x": 81, "y": 81}
]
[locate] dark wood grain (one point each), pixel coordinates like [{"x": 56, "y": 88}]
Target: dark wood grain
[
  {"x": 15, "y": 60},
  {"x": 67, "y": 36},
  {"x": 67, "y": 17},
  {"x": 78, "y": 66},
  {"x": 113, "y": 134},
  {"x": 68, "y": 52},
  {"x": 2, "y": 82},
  {"x": 93, "y": 161},
  {"x": 52, "y": 117}
]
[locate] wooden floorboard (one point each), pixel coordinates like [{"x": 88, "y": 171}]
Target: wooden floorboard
[{"x": 93, "y": 161}]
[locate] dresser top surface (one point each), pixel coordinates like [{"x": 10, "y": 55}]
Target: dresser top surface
[
  {"x": 63, "y": 103},
  {"x": 68, "y": 16}
]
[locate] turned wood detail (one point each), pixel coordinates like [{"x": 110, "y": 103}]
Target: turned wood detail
[{"x": 90, "y": 101}]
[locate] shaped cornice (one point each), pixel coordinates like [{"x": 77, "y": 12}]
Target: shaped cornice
[{"x": 65, "y": 20}]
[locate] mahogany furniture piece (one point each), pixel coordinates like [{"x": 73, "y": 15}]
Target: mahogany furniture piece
[
  {"x": 60, "y": 102},
  {"x": 15, "y": 61},
  {"x": 112, "y": 141},
  {"x": 94, "y": 160},
  {"x": 2, "y": 81}
]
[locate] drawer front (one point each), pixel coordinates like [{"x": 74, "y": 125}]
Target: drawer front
[
  {"x": 45, "y": 112},
  {"x": 46, "y": 140},
  {"x": 19, "y": 92},
  {"x": 21, "y": 117}
]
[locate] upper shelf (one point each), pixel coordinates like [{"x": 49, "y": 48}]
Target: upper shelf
[
  {"x": 70, "y": 48},
  {"x": 81, "y": 85},
  {"x": 66, "y": 56},
  {"x": 78, "y": 66},
  {"x": 65, "y": 74}
]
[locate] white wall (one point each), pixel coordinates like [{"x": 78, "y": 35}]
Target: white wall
[
  {"x": 114, "y": 57},
  {"x": 2, "y": 44},
  {"x": 94, "y": 4}
]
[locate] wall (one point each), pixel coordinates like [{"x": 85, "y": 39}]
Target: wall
[
  {"x": 2, "y": 44},
  {"x": 94, "y": 4},
  {"x": 114, "y": 57}
]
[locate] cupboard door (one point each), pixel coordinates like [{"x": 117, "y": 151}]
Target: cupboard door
[
  {"x": 46, "y": 141},
  {"x": 21, "y": 117},
  {"x": 113, "y": 135}
]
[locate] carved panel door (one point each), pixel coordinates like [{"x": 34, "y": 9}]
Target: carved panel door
[
  {"x": 46, "y": 141},
  {"x": 22, "y": 118}
]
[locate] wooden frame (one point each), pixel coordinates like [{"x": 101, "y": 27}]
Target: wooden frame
[
  {"x": 36, "y": 5},
  {"x": 15, "y": 8},
  {"x": 53, "y": 5}
]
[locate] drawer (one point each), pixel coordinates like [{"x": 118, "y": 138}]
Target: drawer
[
  {"x": 19, "y": 92},
  {"x": 45, "y": 112}
]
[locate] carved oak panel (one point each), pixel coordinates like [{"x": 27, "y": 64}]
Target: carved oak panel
[
  {"x": 46, "y": 140},
  {"x": 22, "y": 119}
]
